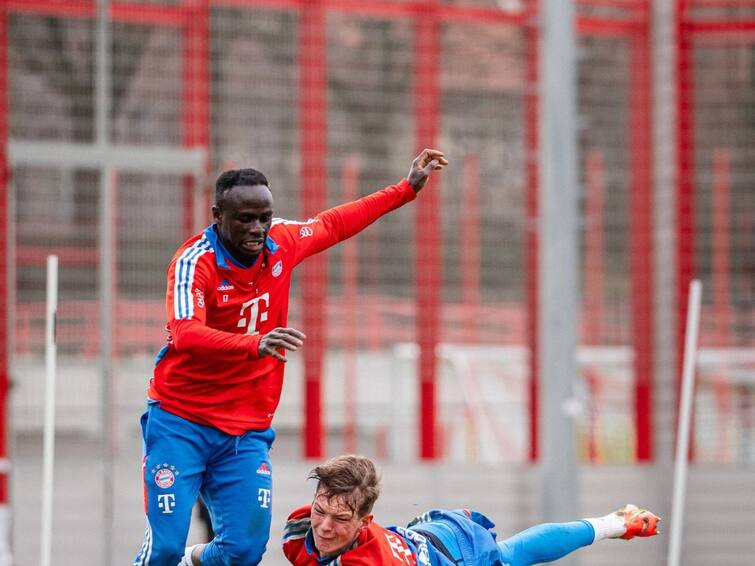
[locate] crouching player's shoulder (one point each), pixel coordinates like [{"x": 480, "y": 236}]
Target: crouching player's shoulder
[{"x": 295, "y": 533}]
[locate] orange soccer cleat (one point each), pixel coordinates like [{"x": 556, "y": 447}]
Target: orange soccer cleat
[{"x": 638, "y": 522}]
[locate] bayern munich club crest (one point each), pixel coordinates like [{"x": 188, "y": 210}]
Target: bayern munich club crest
[
  {"x": 165, "y": 475},
  {"x": 278, "y": 268}
]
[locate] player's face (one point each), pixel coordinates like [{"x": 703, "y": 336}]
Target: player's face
[
  {"x": 334, "y": 525},
  {"x": 243, "y": 218}
]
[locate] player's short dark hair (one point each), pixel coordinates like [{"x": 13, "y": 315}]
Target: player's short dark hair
[
  {"x": 354, "y": 478},
  {"x": 238, "y": 178}
]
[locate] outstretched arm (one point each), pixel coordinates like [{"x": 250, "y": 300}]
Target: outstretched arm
[
  {"x": 551, "y": 541},
  {"x": 344, "y": 221}
]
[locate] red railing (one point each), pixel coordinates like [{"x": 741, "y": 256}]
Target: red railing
[{"x": 192, "y": 18}]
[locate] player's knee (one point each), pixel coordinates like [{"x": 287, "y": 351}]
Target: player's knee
[
  {"x": 160, "y": 553},
  {"x": 243, "y": 553}
]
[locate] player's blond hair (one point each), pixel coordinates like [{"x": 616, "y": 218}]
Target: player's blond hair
[{"x": 350, "y": 477}]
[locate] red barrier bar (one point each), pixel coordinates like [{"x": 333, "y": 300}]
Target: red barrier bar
[
  {"x": 738, "y": 27},
  {"x": 470, "y": 255},
  {"x": 150, "y": 15},
  {"x": 280, "y": 5},
  {"x": 350, "y": 274},
  {"x": 532, "y": 211},
  {"x": 177, "y": 16},
  {"x": 429, "y": 267},
  {"x": 195, "y": 95},
  {"x": 67, "y": 9},
  {"x": 594, "y": 270},
  {"x": 392, "y": 10},
  {"x": 631, "y": 5},
  {"x": 313, "y": 93},
  {"x": 641, "y": 237},
  {"x": 602, "y": 26},
  {"x": 685, "y": 197},
  {"x": 146, "y": 14},
  {"x": 4, "y": 267},
  {"x": 724, "y": 3}
]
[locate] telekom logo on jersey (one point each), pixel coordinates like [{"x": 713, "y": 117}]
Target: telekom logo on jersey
[{"x": 254, "y": 312}]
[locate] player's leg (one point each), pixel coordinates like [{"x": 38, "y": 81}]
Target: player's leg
[
  {"x": 174, "y": 454},
  {"x": 238, "y": 493}
]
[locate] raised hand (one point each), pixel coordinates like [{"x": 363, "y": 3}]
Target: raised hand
[{"x": 427, "y": 161}]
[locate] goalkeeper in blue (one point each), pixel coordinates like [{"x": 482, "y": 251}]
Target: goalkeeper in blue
[{"x": 338, "y": 529}]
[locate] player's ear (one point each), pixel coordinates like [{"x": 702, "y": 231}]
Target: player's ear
[
  {"x": 365, "y": 521},
  {"x": 216, "y": 213}
]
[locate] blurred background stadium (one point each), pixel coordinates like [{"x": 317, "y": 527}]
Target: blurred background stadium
[{"x": 425, "y": 329}]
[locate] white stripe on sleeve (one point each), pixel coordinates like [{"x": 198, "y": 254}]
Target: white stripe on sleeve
[{"x": 183, "y": 302}]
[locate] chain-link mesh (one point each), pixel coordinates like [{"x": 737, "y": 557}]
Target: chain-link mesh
[
  {"x": 234, "y": 80},
  {"x": 721, "y": 80}
]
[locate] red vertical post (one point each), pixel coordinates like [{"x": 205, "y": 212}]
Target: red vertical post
[
  {"x": 313, "y": 92},
  {"x": 470, "y": 258},
  {"x": 195, "y": 95},
  {"x": 532, "y": 214},
  {"x": 685, "y": 192},
  {"x": 641, "y": 235},
  {"x": 427, "y": 52},
  {"x": 371, "y": 241},
  {"x": 4, "y": 293},
  {"x": 350, "y": 271},
  {"x": 722, "y": 388},
  {"x": 721, "y": 246},
  {"x": 594, "y": 296}
]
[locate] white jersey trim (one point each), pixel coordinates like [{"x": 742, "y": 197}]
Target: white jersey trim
[
  {"x": 296, "y": 529},
  {"x": 183, "y": 301},
  {"x": 145, "y": 553},
  {"x": 277, "y": 221}
]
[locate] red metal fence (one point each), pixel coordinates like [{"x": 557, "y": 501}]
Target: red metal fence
[{"x": 331, "y": 98}]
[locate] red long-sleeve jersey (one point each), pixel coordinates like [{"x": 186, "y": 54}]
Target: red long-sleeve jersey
[
  {"x": 210, "y": 371},
  {"x": 375, "y": 546}
]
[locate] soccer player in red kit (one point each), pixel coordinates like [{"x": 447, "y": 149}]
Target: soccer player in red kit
[{"x": 218, "y": 380}]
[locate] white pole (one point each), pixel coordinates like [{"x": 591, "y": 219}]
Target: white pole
[
  {"x": 48, "y": 451},
  {"x": 685, "y": 417}
]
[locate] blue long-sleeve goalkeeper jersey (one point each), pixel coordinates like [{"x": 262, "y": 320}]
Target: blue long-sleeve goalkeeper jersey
[{"x": 463, "y": 537}]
